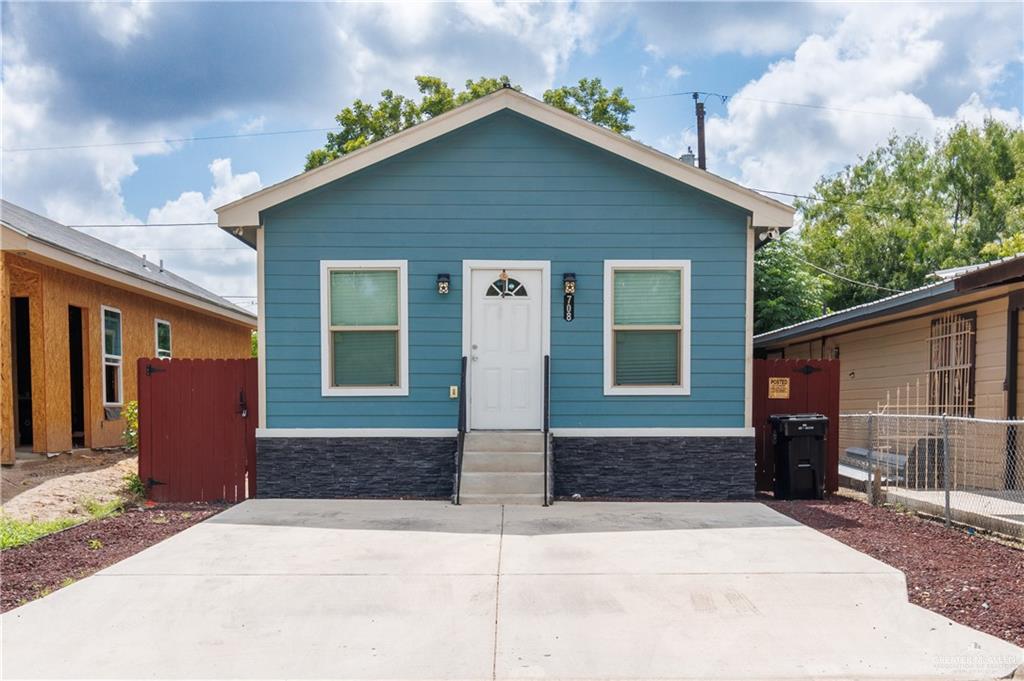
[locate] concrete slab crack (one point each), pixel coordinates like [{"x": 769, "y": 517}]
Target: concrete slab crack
[{"x": 497, "y": 595}]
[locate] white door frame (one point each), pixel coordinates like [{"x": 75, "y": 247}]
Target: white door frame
[{"x": 467, "y": 315}]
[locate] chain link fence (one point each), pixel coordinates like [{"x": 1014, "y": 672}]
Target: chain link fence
[{"x": 966, "y": 470}]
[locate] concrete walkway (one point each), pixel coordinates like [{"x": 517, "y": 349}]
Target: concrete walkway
[{"x": 425, "y": 590}]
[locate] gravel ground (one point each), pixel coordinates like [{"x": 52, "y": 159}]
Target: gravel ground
[
  {"x": 47, "y": 564},
  {"x": 969, "y": 579},
  {"x": 49, "y": 488}
]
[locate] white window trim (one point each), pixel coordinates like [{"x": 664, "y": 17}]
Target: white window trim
[
  {"x": 156, "y": 338},
  {"x": 684, "y": 337},
  {"x": 328, "y": 390},
  {"x": 104, "y": 356}
]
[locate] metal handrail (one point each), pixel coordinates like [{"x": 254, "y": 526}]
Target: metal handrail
[
  {"x": 547, "y": 422},
  {"x": 461, "y": 437}
]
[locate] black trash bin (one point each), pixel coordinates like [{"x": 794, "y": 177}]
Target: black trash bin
[{"x": 798, "y": 441}]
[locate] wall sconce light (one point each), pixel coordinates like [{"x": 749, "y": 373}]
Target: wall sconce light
[
  {"x": 443, "y": 283},
  {"x": 569, "y": 282}
]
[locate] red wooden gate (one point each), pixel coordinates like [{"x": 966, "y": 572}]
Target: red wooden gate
[
  {"x": 197, "y": 428},
  {"x": 795, "y": 386}
]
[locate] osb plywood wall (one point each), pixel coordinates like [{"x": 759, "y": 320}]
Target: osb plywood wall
[
  {"x": 50, "y": 290},
  {"x": 6, "y": 392}
]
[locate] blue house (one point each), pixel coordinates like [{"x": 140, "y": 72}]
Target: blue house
[{"x": 577, "y": 303}]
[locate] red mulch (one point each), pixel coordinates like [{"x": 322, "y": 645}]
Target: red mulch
[
  {"x": 35, "y": 569},
  {"x": 969, "y": 579}
]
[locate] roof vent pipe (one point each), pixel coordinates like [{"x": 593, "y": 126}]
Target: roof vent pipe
[
  {"x": 161, "y": 264},
  {"x": 688, "y": 158},
  {"x": 145, "y": 263}
]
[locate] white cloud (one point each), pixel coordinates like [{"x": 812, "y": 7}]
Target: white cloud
[
  {"x": 675, "y": 72},
  {"x": 384, "y": 45},
  {"x": 254, "y": 124},
  {"x": 74, "y": 184},
  {"x": 193, "y": 206},
  {"x": 121, "y": 22},
  {"x": 747, "y": 28},
  {"x": 864, "y": 65},
  {"x": 203, "y": 254}
]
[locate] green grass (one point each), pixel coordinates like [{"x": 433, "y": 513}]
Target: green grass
[
  {"x": 133, "y": 486},
  {"x": 18, "y": 532},
  {"x": 103, "y": 509}
]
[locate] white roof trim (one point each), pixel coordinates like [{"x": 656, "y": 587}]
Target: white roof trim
[
  {"x": 245, "y": 211},
  {"x": 27, "y": 246}
]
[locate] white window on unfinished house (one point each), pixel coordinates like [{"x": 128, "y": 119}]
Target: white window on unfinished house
[
  {"x": 112, "y": 357},
  {"x": 163, "y": 338}
]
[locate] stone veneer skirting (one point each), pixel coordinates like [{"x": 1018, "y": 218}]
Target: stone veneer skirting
[
  {"x": 593, "y": 467},
  {"x": 370, "y": 467},
  {"x": 654, "y": 467}
]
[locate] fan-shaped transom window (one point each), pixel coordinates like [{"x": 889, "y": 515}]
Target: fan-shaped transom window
[{"x": 506, "y": 288}]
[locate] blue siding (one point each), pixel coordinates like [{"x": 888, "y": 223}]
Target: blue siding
[{"x": 505, "y": 187}]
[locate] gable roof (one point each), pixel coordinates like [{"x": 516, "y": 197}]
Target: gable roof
[
  {"x": 954, "y": 281},
  {"x": 54, "y": 241},
  {"x": 242, "y": 217}
]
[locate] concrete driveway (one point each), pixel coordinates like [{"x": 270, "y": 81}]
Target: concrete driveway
[{"x": 426, "y": 590}]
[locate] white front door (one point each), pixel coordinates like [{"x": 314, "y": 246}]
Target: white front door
[{"x": 506, "y": 349}]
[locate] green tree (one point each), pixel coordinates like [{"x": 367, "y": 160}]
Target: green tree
[
  {"x": 786, "y": 291},
  {"x": 979, "y": 167},
  {"x": 881, "y": 221},
  {"x": 362, "y": 123},
  {"x": 591, "y": 100},
  {"x": 910, "y": 207},
  {"x": 1004, "y": 248}
]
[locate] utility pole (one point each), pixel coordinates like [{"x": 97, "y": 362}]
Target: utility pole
[{"x": 702, "y": 162}]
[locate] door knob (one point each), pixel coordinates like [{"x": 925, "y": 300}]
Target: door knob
[{"x": 473, "y": 357}]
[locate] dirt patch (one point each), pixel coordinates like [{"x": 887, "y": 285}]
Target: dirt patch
[
  {"x": 967, "y": 578},
  {"x": 51, "y": 488},
  {"x": 47, "y": 564}
]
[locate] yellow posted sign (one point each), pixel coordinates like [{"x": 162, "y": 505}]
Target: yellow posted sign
[{"x": 778, "y": 388}]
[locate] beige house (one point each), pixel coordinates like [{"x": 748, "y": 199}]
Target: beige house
[{"x": 952, "y": 346}]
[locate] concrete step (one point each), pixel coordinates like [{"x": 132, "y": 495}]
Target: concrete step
[
  {"x": 504, "y": 441},
  {"x": 507, "y": 499},
  {"x": 502, "y": 483},
  {"x": 503, "y": 462}
]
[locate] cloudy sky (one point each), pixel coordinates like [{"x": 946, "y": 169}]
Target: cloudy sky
[{"x": 90, "y": 77}]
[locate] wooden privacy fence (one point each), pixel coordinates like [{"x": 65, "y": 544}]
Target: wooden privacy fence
[
  {"x": 197, "y": 428},
  {"x": 795, "y": 386}
]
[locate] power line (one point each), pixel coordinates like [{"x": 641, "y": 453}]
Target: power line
[
  {"x": 190, "y": 248},
  {"x": 846, "y": 279},
  {"x": 146, "y": 224},
  {"x": 821, "y": 107},
  {"x": 171, "y": 140},
  {"x": 299, "y": 131}
]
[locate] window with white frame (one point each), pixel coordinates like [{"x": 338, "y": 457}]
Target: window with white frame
[
  {"x": 647, "y": 327},
  {"x": 112, "y": 357},
  {"x": 364, "y": 322},
  {"x": 163, "y": 338}
]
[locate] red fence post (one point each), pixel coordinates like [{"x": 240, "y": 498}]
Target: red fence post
[{"x": 145, "y": 435}]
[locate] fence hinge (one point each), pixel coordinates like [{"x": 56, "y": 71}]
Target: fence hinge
[
  {"x": 150, "y": 370},
  {"x": 151, "y": 482}
]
